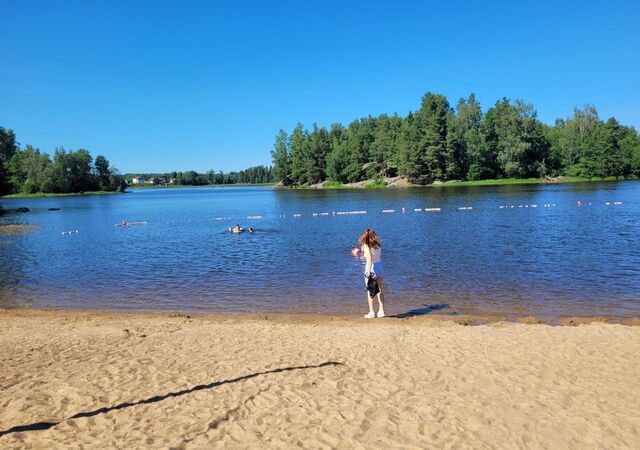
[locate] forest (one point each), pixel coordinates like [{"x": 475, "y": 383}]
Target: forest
[
  {"x": 29, "y": 171},
  {"x": 439, "y": 142},
  {"x": 252, "y": 175}
]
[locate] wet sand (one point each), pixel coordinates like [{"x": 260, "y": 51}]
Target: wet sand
[{"x": 135, "y": 380}]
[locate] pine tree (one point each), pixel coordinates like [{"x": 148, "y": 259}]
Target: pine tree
[{"x": 280, "y": 155}]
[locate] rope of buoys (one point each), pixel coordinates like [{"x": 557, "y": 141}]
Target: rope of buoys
[
  {"x": 388, "y": 210},
  {"x": 433, "y": 209},
  {"x": 70, "y": 232}
]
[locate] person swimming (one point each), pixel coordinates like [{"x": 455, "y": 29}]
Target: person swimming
[
  {"x": 250, "y": 230},
  {"x": 236, "y": 229},
  {"x": 355, "y": 251}
]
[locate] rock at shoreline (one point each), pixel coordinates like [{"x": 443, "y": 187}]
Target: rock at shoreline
[
  {"x": 397, "y": 182},
  {"x": 23, "y": 209},
  {"x": 54, "y": 209},
  {"x": 280, "y": 185}
]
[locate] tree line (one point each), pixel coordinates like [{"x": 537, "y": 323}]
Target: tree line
[
  {"x": 252, "y": 175},
  {"x": 27, "y": 170},
  {"x": 439, "y": 142}
]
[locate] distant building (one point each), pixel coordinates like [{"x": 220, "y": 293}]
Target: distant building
[
  {"x": 137, "y": 180},
  {"x": 153, "y": 180}
]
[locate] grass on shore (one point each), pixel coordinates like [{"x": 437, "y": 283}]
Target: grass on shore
[
  {"x": 375, "y": 185},
  {"x": 508, "y": 181}
]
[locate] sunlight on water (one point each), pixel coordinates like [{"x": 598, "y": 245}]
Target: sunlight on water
[{"x": 514, "y": 250}]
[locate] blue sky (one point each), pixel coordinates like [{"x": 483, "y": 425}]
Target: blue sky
[{"x": 159, "y": 86}]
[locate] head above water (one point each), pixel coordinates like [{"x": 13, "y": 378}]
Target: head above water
[{"x": 370, "y": 239}]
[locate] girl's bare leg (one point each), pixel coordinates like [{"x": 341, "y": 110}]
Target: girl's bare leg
[{"x": 380, "y": 300}]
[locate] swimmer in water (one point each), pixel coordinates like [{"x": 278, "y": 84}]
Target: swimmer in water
[
  {"x": 355, "y": 251},
  {"x": 250, "y": 229},
  {"x": 123, "y": 223},
  {"x": 236, "y": 229}
]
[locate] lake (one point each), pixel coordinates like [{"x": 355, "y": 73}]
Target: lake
[{"x": 510, "y": 250}]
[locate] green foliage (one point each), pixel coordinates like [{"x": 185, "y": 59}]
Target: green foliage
[
  {"x": 333, "y": 185},
  {"x": 8, "y": 147},
  {"x": 252, "y": 175},
  {"x": 440, "y": 143},
  {"x": 27, "y": 171},
  {"x": 281, "y": 156},
  {"x": 517, "y": 139},
  {"x": 300, "y": 155},
  {"x": 431, "y": 124}
]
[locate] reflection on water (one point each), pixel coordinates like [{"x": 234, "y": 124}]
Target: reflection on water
[{"x": 544, "y": 261}]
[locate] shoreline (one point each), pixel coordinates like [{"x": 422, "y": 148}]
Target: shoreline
[
  {"x": 362, "y": 185},
  {"x": 319, "y": 318},
  {"x": 54, "y": 195},
  {"x": 402, "y": 183}
]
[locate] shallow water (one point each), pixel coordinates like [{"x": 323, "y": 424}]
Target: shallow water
[{"x": 546, "y": 261}]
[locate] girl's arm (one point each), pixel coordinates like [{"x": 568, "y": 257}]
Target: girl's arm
[{"x": 367, "y": 254}]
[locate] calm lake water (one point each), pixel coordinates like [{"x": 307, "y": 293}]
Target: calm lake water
[{"x": 547, "y": 261}]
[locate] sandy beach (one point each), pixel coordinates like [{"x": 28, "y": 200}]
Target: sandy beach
[{"x": 143, "y": 380}]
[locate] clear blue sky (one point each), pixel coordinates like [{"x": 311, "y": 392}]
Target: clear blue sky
[{"x": 158, "y": 86}]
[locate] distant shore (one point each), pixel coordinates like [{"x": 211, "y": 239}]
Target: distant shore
[
  {"x": 52, "y": 194},
  {"x": 174, "y": 380},
  {"x": 400, "y": 182},
  {"x": 131, "y": 187},
  {"x": 395, "y": 183}
]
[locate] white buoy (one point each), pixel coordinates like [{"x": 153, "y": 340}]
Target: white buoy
[
  {"x": 297, "y": 215},
  {"x": 417, "y": 209},
  {"x": 433, "y": 209},
  {"x": 615, "y": 203},
  {"x": 388, "y": 210}
]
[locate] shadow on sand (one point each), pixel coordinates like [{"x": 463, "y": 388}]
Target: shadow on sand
[
  {"x": 158, "y": 398},
  {"x": 428, "y": 309}
]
